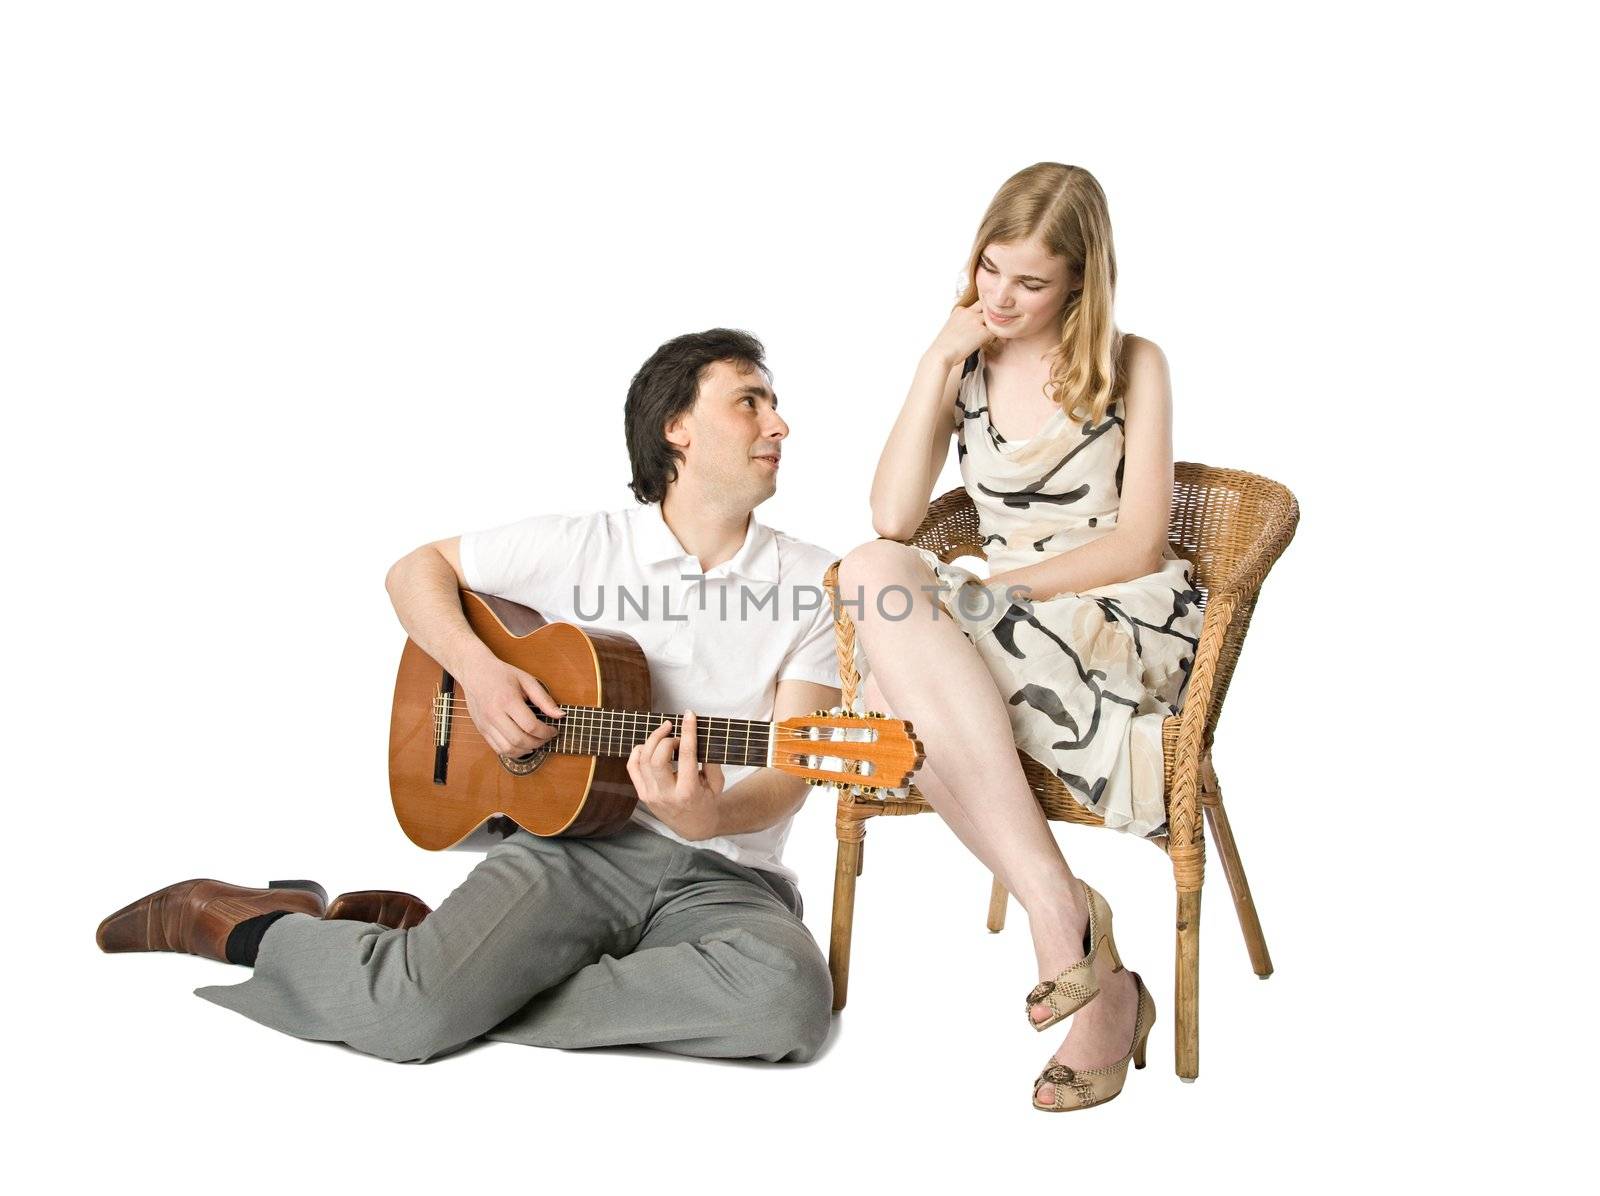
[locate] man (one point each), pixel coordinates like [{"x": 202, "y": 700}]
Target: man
[{"x": 682, "y": 931}]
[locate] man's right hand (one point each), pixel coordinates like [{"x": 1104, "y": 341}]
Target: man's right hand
[{"x": 497, "y": 698}]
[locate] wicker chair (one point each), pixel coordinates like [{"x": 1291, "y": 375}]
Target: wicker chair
[{"x": 1231, "y": 527}]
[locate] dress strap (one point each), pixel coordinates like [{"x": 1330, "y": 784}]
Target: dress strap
[{"x": 971, "y": 364}]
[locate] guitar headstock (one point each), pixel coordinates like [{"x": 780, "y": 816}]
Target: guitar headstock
[{"x": 848, "y": 751}]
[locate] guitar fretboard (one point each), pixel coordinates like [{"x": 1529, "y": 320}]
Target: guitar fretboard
[{"x": 591, "y": 731}]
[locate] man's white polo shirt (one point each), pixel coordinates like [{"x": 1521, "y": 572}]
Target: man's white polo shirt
[{"x": 717, "y": 645}]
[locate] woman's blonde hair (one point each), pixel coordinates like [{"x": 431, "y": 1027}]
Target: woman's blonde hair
[{"x": 1065, "y": 207}]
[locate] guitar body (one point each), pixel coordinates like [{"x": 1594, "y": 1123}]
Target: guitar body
[{"x": 567, "y": 795}]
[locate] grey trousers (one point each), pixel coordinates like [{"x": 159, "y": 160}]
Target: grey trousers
[{"x": 628, "y": 940}]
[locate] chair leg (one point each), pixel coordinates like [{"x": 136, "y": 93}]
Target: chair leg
[
  {"x": 997, "y": 907},
  {"x": 861, "y": 857},
  {"x": 1186, "y": 1031},
  {"x": 1222, "y": 833},
  {"x": 851, "y": 832},
  {"x": 1255, "y": 942}
]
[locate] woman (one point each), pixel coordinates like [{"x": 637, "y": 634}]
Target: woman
[{"x": 1079, "y": 642}]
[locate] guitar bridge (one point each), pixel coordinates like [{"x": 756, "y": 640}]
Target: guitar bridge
[{"x": 443, "y": 712}]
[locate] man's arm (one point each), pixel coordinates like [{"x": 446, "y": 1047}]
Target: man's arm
[
  {"x": 425, "y": 587},
  {"x": 769, "y": 795},
  {"x": 697, "y": 807}
]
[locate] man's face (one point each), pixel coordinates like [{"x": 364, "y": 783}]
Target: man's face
[{"x": 732, "y": 437}]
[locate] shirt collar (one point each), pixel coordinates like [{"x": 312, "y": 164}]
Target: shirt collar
[{"x": 757, "y": 558}]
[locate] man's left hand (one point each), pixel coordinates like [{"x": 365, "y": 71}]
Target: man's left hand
[{"x": 687, "y": 801}]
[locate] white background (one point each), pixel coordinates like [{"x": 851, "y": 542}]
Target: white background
[{"x": 289, "y": 289}]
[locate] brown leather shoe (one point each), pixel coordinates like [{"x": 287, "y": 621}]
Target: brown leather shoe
[
  {"x": 197, "y": 916},
  {"x": 386, "y": 907}
]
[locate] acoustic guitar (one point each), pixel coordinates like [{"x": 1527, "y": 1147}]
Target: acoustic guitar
[{"x": 451, "y": 789}]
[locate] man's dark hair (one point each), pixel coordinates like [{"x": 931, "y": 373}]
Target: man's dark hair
[{"x": 663, "y": 389}]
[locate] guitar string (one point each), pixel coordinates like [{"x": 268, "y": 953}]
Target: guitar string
[
  {"x": 599, "y": 739},
  {"x": 642, "y": 731},
  {"x": 654, "y": 719},
  {"x": 594, "y": 732},
  {"x": 577, "y": 750},
  {"x": 611, "y": 713},
  {"x": 587, "y": 715},
  {"x": 470, "y": 731}
]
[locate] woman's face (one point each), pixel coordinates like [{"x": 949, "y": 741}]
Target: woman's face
[{"x": 1023, "y": 287}]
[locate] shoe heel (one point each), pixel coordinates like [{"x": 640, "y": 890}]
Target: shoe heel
[
  {"x": 306, "y": 886},
  {"x": 1144, "y": 1036},
  {"x": 1104, "y": 926}
]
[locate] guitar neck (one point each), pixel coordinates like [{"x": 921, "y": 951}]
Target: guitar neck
[{"x": 595, "y": 731}]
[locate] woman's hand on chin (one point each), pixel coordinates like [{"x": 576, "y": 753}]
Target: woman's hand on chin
[{"x": 963, "y": 332}]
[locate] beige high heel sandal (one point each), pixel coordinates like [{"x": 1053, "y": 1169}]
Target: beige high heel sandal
[
  {"x": 1080, "y": 1089},
  {"x": 1076, "y": 986}
]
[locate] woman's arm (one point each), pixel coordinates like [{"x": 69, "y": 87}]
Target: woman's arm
[
  {"x": 1135, "y": 547},
  {"x": 915, "y": 451},
  {"x": 920, "y": 440}
]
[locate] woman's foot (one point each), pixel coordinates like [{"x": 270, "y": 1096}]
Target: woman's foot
[
  {"x": 1102, "y": 1029},
  {"x": 1061, "y": 1089},
  {"x": 1067, "y": 936}
]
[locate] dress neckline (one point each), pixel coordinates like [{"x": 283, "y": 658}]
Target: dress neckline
[{"x": 1003, "y": 442}]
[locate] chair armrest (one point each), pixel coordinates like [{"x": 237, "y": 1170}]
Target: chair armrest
[
  {"x": 1227, "y": 616},
  {"x": 950, "y": 528},
  {"x": 1185, "y": 843},
  {"x": 1244, "y": 583},
  {"x": 844, "y": 633}
]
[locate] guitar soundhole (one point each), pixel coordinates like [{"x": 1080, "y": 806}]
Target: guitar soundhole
[{"x": 521, "y": 766}]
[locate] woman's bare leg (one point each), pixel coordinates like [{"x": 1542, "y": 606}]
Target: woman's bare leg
[
  {"x": 925, "y": 670},
  {"x": 929, "y": 672},
  {"x": 927, "y": 780}
]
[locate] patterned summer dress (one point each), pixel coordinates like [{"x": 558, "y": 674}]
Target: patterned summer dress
[{"x": 1088, "y": 677}]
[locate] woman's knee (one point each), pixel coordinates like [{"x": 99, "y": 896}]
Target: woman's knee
[{"x": 872, "y": 576}]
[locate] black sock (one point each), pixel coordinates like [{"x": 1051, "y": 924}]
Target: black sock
[{"x": 244, "y": 940}]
